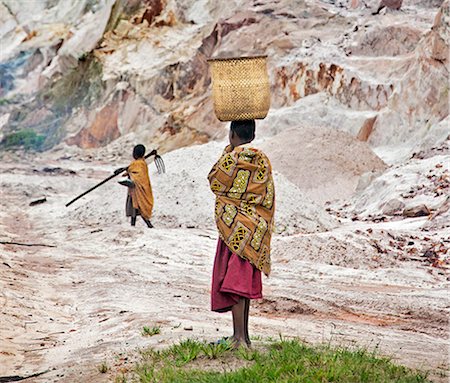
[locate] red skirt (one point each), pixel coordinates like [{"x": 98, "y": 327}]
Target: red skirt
[{"x": 233, "y": 278}]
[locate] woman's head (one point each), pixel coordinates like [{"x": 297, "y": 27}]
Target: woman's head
[
  {"x": 242, "y": 132},
  {"x": 138, "y": 151}
]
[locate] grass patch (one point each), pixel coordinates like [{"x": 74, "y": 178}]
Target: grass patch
[
  {"x": 103, "y": 368},
  {"x": 184, "y": 352},
  {"x": 147, "y": 331},
  {"x": 26, "y": 138},
  {"x": 284, "y": 361},
  {"x": 216, "y": 350},
  {"x": 120, "y": 379}
]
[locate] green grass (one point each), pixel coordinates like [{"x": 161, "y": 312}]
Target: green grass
[
  {"x": 103, "y": 368},
  {"x": 120, "y": 379},
  {"x": 26, "y": 138},
  {"x": 284, "y": 361},
  {"x": 147, "y": 331},
  {"x": 184, "y": 352},
  {"x": 215, "y": 351}
]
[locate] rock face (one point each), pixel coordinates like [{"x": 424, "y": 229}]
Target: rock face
[
  {"x": 420, "y": 100},
  {"x": 393, "y": 40},
  {"x": 103, "y": 129},
  {"x": 440, "y": 218},
  {"x": 302, "y": 80},
  {"x": 157, "y": 50}
]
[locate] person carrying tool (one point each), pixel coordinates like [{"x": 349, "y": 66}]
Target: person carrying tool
[{"x": 140, "y": 196}]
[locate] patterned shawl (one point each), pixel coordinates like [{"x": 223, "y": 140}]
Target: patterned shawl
[
  {"x": 141, "y": 193},
  {"x": 245, "y": 203}
]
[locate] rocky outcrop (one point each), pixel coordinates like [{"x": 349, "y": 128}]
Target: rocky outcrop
[
  {"x": 424, "y": 3},
  {"x": 392, "y": 40},
  {"x": 302, "y": 80},
  {"x": 420, "y": 100},
  {"x": 80, "y": 41},
  {"x": 156, "y": 52},
  {"x": 101, "y": 131}
]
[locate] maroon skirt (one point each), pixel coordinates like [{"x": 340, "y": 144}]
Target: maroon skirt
[{"x": 233, "y": 278}]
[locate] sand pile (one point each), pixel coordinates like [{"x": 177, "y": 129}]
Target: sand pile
[
  {"x": 183, "y": 198},
  {"x": 324, "y": 163}
]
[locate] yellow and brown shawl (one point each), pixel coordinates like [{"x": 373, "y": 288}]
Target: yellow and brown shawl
[
  {"x": 245, "y": 203},
  {"x": 141, "y": 193}
]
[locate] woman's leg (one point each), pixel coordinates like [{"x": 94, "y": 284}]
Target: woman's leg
[
  {"x": 148, "y": 223},
  {"x": 238, "y": 311},
  {"x": 246, "y": 312}
]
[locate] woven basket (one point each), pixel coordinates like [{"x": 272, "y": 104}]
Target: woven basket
[{"x": 241, "y": 89}]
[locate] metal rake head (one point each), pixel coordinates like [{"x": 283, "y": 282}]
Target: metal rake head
[{"x": 160, "y": 164}]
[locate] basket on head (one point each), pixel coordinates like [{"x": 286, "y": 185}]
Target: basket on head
[{"x": 241, "y": 89}]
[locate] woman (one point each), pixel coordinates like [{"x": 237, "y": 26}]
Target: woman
[{"x": 245, "y": 204}]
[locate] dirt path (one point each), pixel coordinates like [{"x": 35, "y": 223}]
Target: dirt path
[{"x": 68, "y": 308}]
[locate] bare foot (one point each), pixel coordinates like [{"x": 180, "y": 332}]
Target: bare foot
[{"x": 236, "y": 342}]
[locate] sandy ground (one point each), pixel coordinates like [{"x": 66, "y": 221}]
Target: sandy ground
[{"x": 83, "y": 295}]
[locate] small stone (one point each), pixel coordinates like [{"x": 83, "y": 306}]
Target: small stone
[
  {"x": 416, "y": 211},
  {"x": 393, "y": 207},
  {"x": 430, "y": 253},
  {"x": 391, "y": 4},
  {"x": 188, "y": 328}
]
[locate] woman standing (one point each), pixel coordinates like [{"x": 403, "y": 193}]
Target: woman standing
[{"x": 245, "y": 204}]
